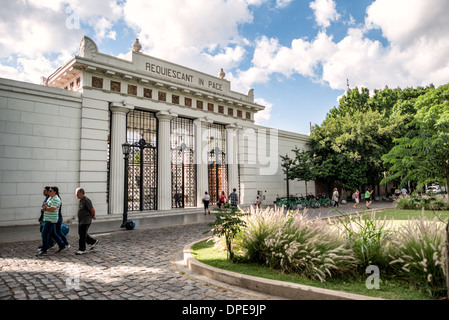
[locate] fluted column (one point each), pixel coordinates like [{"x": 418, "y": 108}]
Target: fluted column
[
  {"x": 117, "y": 170},
  {"x": 164, "y": 161}
]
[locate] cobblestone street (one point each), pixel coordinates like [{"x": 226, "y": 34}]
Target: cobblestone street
[{"x": 126, "y": 265}]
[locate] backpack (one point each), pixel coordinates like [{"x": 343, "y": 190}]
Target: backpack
[{"x": 130, "y": 225}]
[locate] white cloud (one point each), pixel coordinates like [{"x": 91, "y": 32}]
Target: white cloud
[
  {"x": 262, "y": 117},
  {"x": 256, "y": 3},
  {"x": 42, "y": 35},
  {"x": 325, "y": 12},
  {"x": 417, "y": 52},
  {"x": 9, "y": 72},
  {"x": 205, "y": 35},
  {"x": 303, "y": 57},
  {"x": 228, "y": 58},
  {"x": 30, "y": 30},
  {"x": 404, "y": 22},
  {"x": 102, "y": 28},
  {"x": 31, "y": 69},
  {"x": 282, "y": 3},
  {"x": 180, "y": 31}
]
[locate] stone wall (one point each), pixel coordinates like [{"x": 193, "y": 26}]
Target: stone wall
[{"x": 39, "y": 146}]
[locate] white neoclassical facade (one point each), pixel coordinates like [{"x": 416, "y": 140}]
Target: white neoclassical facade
[{"x": 189, "y": 133}]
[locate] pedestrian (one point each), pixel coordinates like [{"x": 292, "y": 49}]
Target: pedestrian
[
  {"x": 41, "y": 218},
  {"x": 335, "y": 196},
  {"x": 404, "y": 192},
  {"x": 50, "y": 219},
  {"x": 356, "y": 197},
  {"x": 178, "y": 199},
  {"x": 57, "y": 230},
  {"x": 368, "y": 200},
  {"x": 257, "y": 202},
  {"x": 222, "y": 199},
  {"x": 234, "y": 198},
  {"x": 86, "y": 213},
  {"x": 397, "y": 193},
  {"x": 206, "y": 200}
]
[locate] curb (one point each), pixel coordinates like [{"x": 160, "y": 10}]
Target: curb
[{"x": 282, "y": 289}]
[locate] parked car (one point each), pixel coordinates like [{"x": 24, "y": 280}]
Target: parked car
[{"x": 433, "y": 189}]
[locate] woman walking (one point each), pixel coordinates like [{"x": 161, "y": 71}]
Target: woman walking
[
  {"x": 356, "y": 197},
  {"x": 335, "y": 196},
  {"x": 206, "y": 200},
  {"x": 51, "y": 217},
  {"x": 222, "y": 200}
]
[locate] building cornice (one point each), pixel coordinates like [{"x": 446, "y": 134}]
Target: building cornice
[{"x": 89, "y": 60}]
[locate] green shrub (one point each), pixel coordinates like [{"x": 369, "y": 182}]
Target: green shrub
[
  {"x": 368, "y": 237},
  {"x": 227, "y": 224},
  {"x": 432, "y": 202}
]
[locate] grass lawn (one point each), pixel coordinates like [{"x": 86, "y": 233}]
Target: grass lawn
[
  {"x": 400, "y": 214},
  {"x": 393, "y": 290}
]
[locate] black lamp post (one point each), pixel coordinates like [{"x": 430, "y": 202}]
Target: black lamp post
[
  {"x": 126, "y": 149},
  {"x": 287, "y": 162}
]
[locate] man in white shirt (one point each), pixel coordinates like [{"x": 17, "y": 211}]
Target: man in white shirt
[{"x": 404, "y": 192}]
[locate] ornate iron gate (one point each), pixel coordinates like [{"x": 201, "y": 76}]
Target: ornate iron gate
[
  {"x": 217, "y": 168},
  {"x": 183, "y": 168},
  {"x": 141, "y": 133}
]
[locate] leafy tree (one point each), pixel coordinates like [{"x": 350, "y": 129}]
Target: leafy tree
[
  {"x": 287, "y": 165},
  {"x": 227, "y": 224},
  {"x": 351, "y": 141},
  {"x": 422, "y": 154},
  {"x": 349, "y": 148},
  {"x": 349, "y": 103},
  {"x": 303, "y": 168}
]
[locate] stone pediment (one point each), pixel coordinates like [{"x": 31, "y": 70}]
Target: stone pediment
[{"x": 88, "y": 48}]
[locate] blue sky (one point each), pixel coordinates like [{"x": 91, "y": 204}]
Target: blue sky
[{"x": 296, "y": 54}]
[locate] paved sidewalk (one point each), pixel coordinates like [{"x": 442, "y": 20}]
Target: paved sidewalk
[{"x": 125, "y": 265}]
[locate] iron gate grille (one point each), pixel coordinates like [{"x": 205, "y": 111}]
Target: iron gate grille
[
  {"x": 217, "y": 168},
  {"x": 183, "y": 168},
  {"x": 141, "y": 133}
]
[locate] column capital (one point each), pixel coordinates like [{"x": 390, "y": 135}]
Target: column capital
[
  {"x": 203, "y": 122},
  {"x": 120, "y": 107},
  {"x": 166, "y": 115},
  {"x": 231, "y": 126}
]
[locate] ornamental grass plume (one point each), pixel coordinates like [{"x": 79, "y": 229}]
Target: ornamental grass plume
[
  {"x": 368, "y": 236},
  {"x": 292, "y": 242},
  {"x": 419, "y": 254}
]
